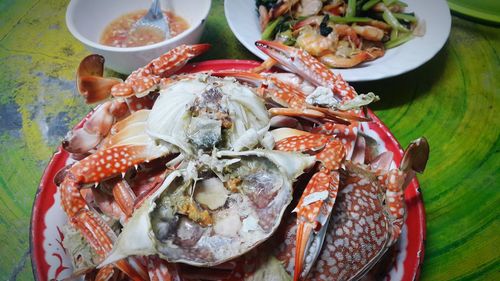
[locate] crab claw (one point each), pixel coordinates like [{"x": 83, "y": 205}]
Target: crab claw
[
  {"x": 414, "y": 160},
  {"x": 316, "y": 204},
  {"x": 305, "y": 65},
  {"x": 416, "y": 156},
  {"x": 114, "y": 161},
  {"x": 90, "y": 81},
  {"x": 176, "y": 58},
  {"x": 290, "y": 97},
  {"x": 146, "y": 79},
  {"x": 313, "y": 214}
]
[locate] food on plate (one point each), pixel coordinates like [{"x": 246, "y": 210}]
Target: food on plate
[
  {"x": 202, "y": 169},
  {"x": 340, "y": 33},
  {"x": 119, "y": 33}
]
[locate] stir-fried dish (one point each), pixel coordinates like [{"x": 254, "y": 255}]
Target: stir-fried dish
[{"x": 340, "y": 33}]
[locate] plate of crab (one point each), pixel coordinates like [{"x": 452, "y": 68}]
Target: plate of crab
[{"x": 219, "y": 171}]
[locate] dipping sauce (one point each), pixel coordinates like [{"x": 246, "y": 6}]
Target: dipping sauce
[{"x": 117, "y": 33}]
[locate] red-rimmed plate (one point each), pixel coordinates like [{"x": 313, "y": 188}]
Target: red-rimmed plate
[{"x": 51, "y": 262}]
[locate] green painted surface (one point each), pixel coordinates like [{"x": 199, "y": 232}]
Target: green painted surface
[
  {"x": 453, "y": 100},
  {"x": 482, "y": 10}
]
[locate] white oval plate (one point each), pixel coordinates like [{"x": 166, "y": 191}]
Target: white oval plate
[{"x": 243, "y": 20}]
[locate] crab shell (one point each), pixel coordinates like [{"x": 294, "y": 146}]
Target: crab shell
[
  {"x": 171, "y": 119},
  {"x": 138, "y": 236},
  {"x": 172, "y": 124},
  {"x": 357, "y": 235}
]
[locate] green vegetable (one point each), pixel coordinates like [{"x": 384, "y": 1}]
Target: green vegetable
[
  {"x": 408, "y": 17},
  {"x": 398, "y": 41},
  {"x": 286, "y": 37},
  {"x": 394, "y": 34},
  {"x": 393, "y": 21},
  {"x": 286, "y": 24},
  {"x": 271, "y": 29},
  {"x": 389, "y": 2},
  {"x": 368, "y": 5},
  {"x": 402, "y": 4},
  {"x": 336, "y": 19},
  {"x": 351, "y": 9}
]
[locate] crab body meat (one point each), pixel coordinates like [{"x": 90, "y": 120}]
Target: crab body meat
[
  {"x": 204, "y": 112},
  {"x": 248, "y": 217}
]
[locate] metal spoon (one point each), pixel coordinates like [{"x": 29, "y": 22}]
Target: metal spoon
[{"x": 154, "y": 19}]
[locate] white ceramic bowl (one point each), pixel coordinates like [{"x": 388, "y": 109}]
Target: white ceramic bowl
[{"x": 86, "y": 19}]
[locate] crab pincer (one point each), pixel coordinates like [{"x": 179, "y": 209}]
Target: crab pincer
[
  {"x": 347, "y": 99},
  {"x": 305, "y": 65},
  {"x": 292, "y": 100},
  {"x": 146, "y": 79},
  {"x": 316, "y": 203}
]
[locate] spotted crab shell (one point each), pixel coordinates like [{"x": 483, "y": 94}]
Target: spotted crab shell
[{"x": 212, "y": 248}]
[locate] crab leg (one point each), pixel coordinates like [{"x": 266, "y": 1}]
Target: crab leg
[
  {"x": 124, "y": 197},
  {"x": 316, "y": 204},
  {"x": 99, "y": 235},
  {"x": 290, "y": 97},
  {"x": 95, "y": 128},
  {"x": 160, "y": 270},
  {"x": 414, "y": 160},
  {"x": 300, "y": 62},
  {"x": 90, "y": 81},
  {"x": 147, "y": 78},
  {"x": 346, "y": 133},
  {"x": 314, "y": 71},
  {"x": 105, "y": 273}
]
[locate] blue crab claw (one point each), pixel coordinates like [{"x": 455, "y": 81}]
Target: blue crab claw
[
  {"x": 313, "y": 214},
  {"x": 305, "y": 65}
]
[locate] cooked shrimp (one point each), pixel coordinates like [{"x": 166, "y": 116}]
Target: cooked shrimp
[
  {"x": 314, "y": 43},
  {"x": 333, "y": 60},
  {"x": 369, "y": 32}
]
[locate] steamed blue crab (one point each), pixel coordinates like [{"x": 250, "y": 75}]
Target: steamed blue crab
[{"x": 226, "y": 189}]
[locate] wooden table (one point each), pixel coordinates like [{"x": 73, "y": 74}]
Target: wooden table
[{"x": 453, "y": 100}]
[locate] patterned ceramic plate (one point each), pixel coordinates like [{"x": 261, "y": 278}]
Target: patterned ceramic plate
[{"x": 51, "y": 262}]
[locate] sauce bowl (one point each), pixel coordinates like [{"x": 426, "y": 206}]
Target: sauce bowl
[{"x": 87, "y": 19}]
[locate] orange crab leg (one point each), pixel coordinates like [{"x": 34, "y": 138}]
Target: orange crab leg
[
  {"x": 160, "y": 270},
  {"x": 302, "y": 143},
  {"x": 288, "y": 96},
  {"x": 314, "y": 216},
  {"x": 124, "y": 196},
  {"x": 346, "y": 133},
  {"x": 95, "y": 128},
  {"x": 89, "y": 81},
  {"x": 112, "y": 161},
  {"x": 300, "y": 62},
  {"x": 395, "y": 201},
  {"x": 270, "y": 87},
  {"x": 96, "y": 232},
  {"x": 414, "y": 160},
  {"x": 146, "y": 79},
  {"x": 316, "y": 204},
  {"x": 105, "y": 273}
]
